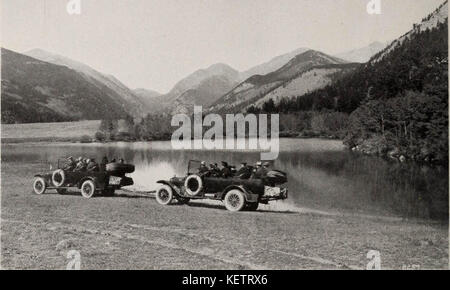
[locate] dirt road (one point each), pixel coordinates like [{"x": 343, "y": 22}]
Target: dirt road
[{"x": 130, "y": 231}]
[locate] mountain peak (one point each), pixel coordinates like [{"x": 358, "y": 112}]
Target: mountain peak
[{"x": 273, "y": 64}]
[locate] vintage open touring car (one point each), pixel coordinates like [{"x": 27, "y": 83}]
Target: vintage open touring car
[
  {"x": 237, "y": 194},
  {"x": 90, "y": 183}
]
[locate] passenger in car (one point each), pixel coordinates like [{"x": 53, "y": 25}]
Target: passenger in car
[
  {"x": 70, "y": 164},
  {"x": 226, "y": 171},
  {"x": 81, "y": 165},
  {"x": 103, "y": 163},
  {"x": 203, "y": 168},
  {"x": 214, "y": 170},
  {"x": 244, "y": 172},
  {"x": 259, "y": 171},
  {"x": 92, "y": 165}
]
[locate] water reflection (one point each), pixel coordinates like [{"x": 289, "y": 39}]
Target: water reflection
[{"x": 322, "y": 175}]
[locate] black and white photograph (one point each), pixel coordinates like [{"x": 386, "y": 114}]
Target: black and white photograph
[{"x": 242, "y": 135}]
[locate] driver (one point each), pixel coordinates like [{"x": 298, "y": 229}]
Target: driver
[{"x": 70, "y": 164}]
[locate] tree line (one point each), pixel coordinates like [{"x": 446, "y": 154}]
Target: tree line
[{"x": 397, "y": 105}]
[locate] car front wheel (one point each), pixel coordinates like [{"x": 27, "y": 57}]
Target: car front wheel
[
  {"x": 39, "y": 185},
  {"x": 88, "y": 189},
  {"x": 234, "y": 200},
  {"x": 164, "y": 195}
]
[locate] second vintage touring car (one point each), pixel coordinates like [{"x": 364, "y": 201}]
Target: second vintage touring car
[
  {"x": 236, "y": 193},
  {"x": 103, "y": 182}
]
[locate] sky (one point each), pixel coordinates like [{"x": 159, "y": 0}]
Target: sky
[{"x": 154, "y": 43}]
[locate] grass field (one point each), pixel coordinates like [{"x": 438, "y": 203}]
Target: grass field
[
  {"x": 131, "y": 231},
  {"x": 39, "y": 132}
]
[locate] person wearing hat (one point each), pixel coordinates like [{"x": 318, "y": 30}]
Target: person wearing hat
[
  {"x": 244, "y": 172},
  {"x": 70, "y": 164},
  {"x": 215, "y": 171},
  {"x": 260, "y": 171},
  {"x": 225, "y": 171},
  {"x": 81, "y": 165},
  {"x": 103, "y": 163},
  {"x": 92, "y": 165},
  {"x": 203, "y": 170}
]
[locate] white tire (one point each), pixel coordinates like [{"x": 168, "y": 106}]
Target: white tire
[
  {"x": 39, "y": 185},
  {"x": 88, "y": 189},
  {"x": 164, "y": 194},
  {"x": 193, "y": 185},
  {"x": 58, "y": 177},
  {"x": 234, "y": 200}
]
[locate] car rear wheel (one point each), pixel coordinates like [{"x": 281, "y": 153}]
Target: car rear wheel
[
  {"x": 164, "y": 195},
  {"x": 234, "y": 200},
  {"x": 88, "y": 189},
  {"x": 39, "y": 185}
]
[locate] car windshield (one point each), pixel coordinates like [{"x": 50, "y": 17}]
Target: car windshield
[{"x": 194, "y": 166}]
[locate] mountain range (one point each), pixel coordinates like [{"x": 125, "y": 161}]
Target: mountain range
[
  {"x": 131, "y": 103},
  {"x": 38, "y": 91},
  {"x": 305, "y": 72},
  {"x": 363, "y": 54},
  {"x": 218, "y": 87}
]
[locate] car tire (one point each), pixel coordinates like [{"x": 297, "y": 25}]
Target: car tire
[
  {"x": 61, "y": 190},
  {"x": 58, "y": 175},
  {"x": 193, "y": 181},
  {"x": 234, "y": 200},
  {"x": 253, "y": 206},
  {"x": 88, "y": 189},
  {"x": 39, "y": 186},
  {"x": 164, "y": 194}
]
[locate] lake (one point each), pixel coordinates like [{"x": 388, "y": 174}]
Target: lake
[{"x": 322, "y": 174}]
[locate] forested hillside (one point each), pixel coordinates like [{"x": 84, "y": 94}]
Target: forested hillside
[{"x": 397, "y": 104}]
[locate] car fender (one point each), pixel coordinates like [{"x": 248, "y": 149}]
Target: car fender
[
  {"x": 175, "y": 189},
  {"x": 80, "y": 182},
  {"x": 249, "y": 196}
]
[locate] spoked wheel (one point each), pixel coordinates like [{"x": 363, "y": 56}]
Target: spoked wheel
[
  {"x": 39, "y": 186},
  {"x": 164, "y": 195},
  {"x": 88, "y": 189},
  {"x": 234, "y": 200}
]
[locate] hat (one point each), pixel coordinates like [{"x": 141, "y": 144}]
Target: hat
[
  {"x": 266, "y": 164},
  {"x": 244, "y": 163},
  {"x": 203, "y": 163},
  {"x": 70, "y": 157},
  {"x": 79, "y": 158},
  {"x": 224, "y": 163},
  {"x": 259, "y": 163}
]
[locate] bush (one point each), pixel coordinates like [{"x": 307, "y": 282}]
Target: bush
[
  {"x": 85, "y": 139},
  {"x": 100, "y": 136}
]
